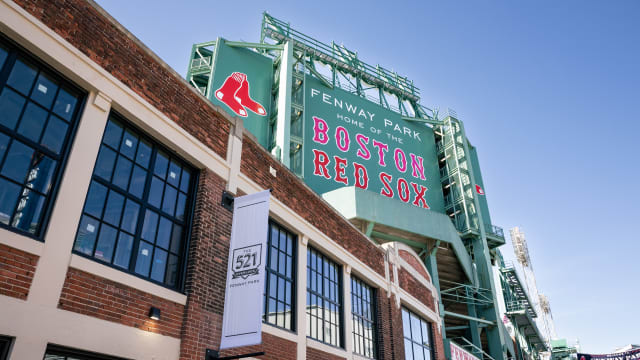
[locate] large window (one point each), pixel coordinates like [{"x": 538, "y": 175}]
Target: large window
[
  {"x": 55, "y": 352},
  {"x": 324, "y": 299},
  {"x": 363, "y": 314},
  {"x": 136, "y": 215},
  {"x": 280, "y": 284},
  {"x": 5, "y": 344},
  {"x": 38, "y": 112},
  {"x": 417, "y": 337}
]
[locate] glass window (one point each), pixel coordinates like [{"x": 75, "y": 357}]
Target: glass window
[
  {"x": 279, "y": 293},
  {"x": 137, "y": 207},
  {"x": 38, "y": 112},
  {"x": 324, "y": 299},
  {"x": 363, "y": 315},
  {"x": 55, "y": 352},
  {"x": 417, "y": 337},
  {"x": 5, "y": 342}
]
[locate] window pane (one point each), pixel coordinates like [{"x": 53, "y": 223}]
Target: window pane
[
  {"x": 106, "y": 243},
  {"x": 416, "y": 333},
  {"x": 95, "y": 199},
  {"x": 22, "y": 77},
  {"x": 180, "y": 206},
  {"x": 172, "y": 271},
  {"x": 55, "y": 134},
  {"x": 86, "y": 237},
  {"x": 184, "y": 183},
  {"x": 164, "y": 233},
  {"x": 3, "y": 56},
  {"x": 129, "y": 145},
  {"x": 138, "y": 179},
  {"x": 44, "y": 91},
  {"x": 104, "y": 165},
  {"x": 159, "y": 265},
  {"x": 143, "y": 261},
  {"x": 162, "y": 162},
  {"x": 41, "y": 173},
  {"x": 113, "y": 210},
  {"x": 28, "y": 211},
  {"x": 144, "y": 154},
  {"x": 112, "y": 134},
  {"x": 4, "y": 144},
  {"x": 123, "y": 251},
  {"x": 406, "y": 324},
  {"x": 149, "y": 226},
  {"x": 130, "y": 217},
  {"x": 155, "y": 192},
  {"x": 169, "y": 202},
  {"x": 425, "y": 333},
  {"x": 417, "y": 352},
  {"x": 32, "y": 122},
  {"x": 9, "y": 193},
  {"x": 11, "y": 104},
  {"x": 65, "y": 104},
  {"x": 16, "y": 164},
  {"x": 176, "y": 239}
]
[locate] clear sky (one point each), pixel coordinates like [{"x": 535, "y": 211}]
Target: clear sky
[{"x": 549, "y": 92}]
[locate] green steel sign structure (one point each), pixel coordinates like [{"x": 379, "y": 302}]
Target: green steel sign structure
[{"x": 357, "y": 135}]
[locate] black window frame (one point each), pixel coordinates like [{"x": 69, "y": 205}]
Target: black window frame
[
  {"x": 5, "y": 346},
  {"x": 76, "y": 354},
  {"x": 360, "y": 317},
  {"x": 429, "y": 326},
  {"x": 320, "y": 257},
  {"x": 142, "y": 202},
  {"x": 291, "y": 279},
  {"x": 15, "y": 52}
]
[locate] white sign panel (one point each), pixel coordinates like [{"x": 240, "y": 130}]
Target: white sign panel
[
  {"x": 458, "y": 353},
  {"x": 242, "y": 318}
]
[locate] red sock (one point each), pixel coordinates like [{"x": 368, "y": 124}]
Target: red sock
[
  {"x": 226, "y": 93},
  {"x": 245, "y": 99}
]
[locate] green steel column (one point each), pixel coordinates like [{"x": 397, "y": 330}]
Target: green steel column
[
  {"x": 482, "y": 257},
  {"x": 432, "y": 266},
  {"x": 283, "y": 119},
  {"x": 474, "y": 330}
]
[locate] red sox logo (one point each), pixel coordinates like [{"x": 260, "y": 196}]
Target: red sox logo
[
  {"x": 235, "y": 94},
  {"x": 479, "y": 190}
]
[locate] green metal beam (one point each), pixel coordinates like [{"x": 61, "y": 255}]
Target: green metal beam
[
  {"x": 470, "y": 318},
  {"x": 317, "y": 75},
  {"x": 254, "y": 45},
  {"x": 398, "y": 239},
  {"x": 424, "y": 120},
  {"x": 370, "y": 226}
]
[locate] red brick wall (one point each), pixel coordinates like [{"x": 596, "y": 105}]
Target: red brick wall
[
  {"x": 411, "y": 285},
  {"x": 439, "y": 345},
  {"x": 315, "y": 354},
  {"x": 92, "y": 295},
  {"x": 82, "y": 25},
  {"x": 16, "y": 272},
  {"x": 389, "y": 321},
  {"x": 255, "y": 164},
  {"x": 415, "y": 263}
]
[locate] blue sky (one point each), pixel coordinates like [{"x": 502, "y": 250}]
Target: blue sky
[{"x": 549, "y": 92}]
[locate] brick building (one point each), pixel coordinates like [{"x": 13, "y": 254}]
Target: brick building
[{"x": 112, "y": 171}]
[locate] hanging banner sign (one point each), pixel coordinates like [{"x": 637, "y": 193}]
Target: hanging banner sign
[
  {"x": 627, "y": 355},
  {"x": 458, "y": 353},
  {"x": 242, "y": 317}
]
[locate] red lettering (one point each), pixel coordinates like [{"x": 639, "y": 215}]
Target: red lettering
[
  {"x": 362, "y": 178},
  {"x": 342, "y": 139},
  {"x": 403, "y": 191},
  {"x": 401, "y": 163},
  {"x": 382, "y": 148},
  {"x": 419, "y": 199},
  {"x": 417, "y": 167},
  {"x": 320, "y": 162},
  {"x": 320, "y": 129},
  {"x": 363, "y": 152},
  {"x": 341, "y": 166},
  {"x": 386, "y": 189}
]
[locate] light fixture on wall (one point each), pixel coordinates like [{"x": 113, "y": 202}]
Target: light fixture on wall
[{"x": 154, "y": 313}]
